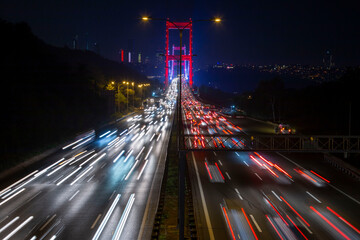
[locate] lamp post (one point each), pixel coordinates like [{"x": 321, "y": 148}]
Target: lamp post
[
  {"x": 127, "y": 95},
  {"x": 133, "y": 94},
  {"x": 182, "y": 154}
]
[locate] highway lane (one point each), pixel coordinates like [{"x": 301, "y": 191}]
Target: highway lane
[
  {"x": 98, "y": 189},
  {"x": 247, "y": 186},
  {"x": 240, "y": 195}
]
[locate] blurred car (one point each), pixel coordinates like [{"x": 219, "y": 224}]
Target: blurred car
[{"x": 284, "y": 129}]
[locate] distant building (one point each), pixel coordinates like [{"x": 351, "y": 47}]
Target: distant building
[
  {"x": 75, "y": 42},
  {"x": 328, "y": 60}
]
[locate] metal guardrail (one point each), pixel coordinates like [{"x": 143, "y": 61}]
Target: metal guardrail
[{"x": 293, "y": 143}]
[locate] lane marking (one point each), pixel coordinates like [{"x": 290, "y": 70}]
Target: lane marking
[
  {"x": 206, "y": 212},
  {"x": 220, "y": 163},
  {"x": 96, "y": 220},
  {"x": 313, "y": 197},
  {"x": 256, "y": 224},
  {"x": 47, "y": 222},
  {"x": 238, "y": 193},
  {"x": 307, "y": 229},
  {"x": 74, "y": 195},
  {"x": 91, "y": 178},
  {"x": 258, "y": 176},
  {"x": 276, "y": 196},
  {"x": 347, "y": 195},
  {"x": 228, "y": 175}
]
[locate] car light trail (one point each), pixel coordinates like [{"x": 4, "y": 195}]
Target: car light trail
[
  {"x": 142, "y": 170},
  {"x": 82, "y": 164},
  {"x": 82, "y": 143},
  {"x": 72, "y": 143},
  {"x": 118, "y": 156},
  {"x": 207, "y": 167},
  {"x": 147, "y": 155},
  {"x": 123, "y": 132},
  {"x": 282, "y": 170},
  {"x": 295, "y": 211},
  {"x": 252, "y": 229},
  {"x": 113, "y": 141},
  {"x": 271, "y": 171},
  {"x": 296, "y": 227},
  {"x": 277, "y": 212},
  {"x": 12, "y": 196},
  {"x": 262, "y": 158},
  {"x": 142, "y": 149},
  {"x": 131, "y": 170},
  {"x": 18, "y": 228},
  {"x": 228, "y": 222},
  {"x": 129, "y": 154},
  {"x": 124, "y": 217},
  {"x": 135, "y": 137},
  {"x": 158, "y": 137},
  {"x": 220, "y": 171},
  {"x": 342, "y": 219},
  {"x": 72, "y": 162},
  {"x": 104, "y": 134},
  {"x": 330, "y": 223},
  {"x": 304, "y": 174},
  {"x": 106, "y": 218},
  {"x": 68, "y": 176},
  {"x": 81, "y": 175},
  {"x": 274, "y": 227},
  {"x": 112, "y": 133},
  {"x": 256, "y": 161},
  {"x": 320, "y": 176},
  {"x": 96, "y": 160},
  {"x": 9, "y": 224},
  {"x": 19, "y": 181}
]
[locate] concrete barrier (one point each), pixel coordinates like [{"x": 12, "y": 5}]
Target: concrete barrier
[{"x": 343, "y": 166}]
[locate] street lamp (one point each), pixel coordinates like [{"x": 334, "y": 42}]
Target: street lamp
[
  {"x": 127, "y": 96},
  {"x": 133, "y": 94}
]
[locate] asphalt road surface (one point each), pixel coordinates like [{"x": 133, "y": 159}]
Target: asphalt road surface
[
  {"x": 255, "y": 195},
  {"x": 101, "y": 186}
]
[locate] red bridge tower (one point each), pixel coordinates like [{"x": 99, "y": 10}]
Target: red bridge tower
[{"x": 187, "y": 57}]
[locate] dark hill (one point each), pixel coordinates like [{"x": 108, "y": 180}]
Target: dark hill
[{"x": 49, "y": 93}]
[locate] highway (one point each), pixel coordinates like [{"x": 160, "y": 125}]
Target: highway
[
  {"x": 255, "y": 195},
  {"x": 102, "y": 185}
]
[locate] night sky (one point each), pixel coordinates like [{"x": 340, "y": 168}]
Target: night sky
[{"x": 255, "y": 32}]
